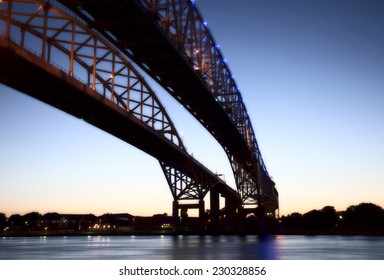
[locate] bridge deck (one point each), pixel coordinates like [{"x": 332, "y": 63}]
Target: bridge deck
[
  {"x": 136, "y": 30},
  {"x": 27, "y": 73}
]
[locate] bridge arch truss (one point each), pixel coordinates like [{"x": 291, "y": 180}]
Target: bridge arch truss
[
  {"x": 49, "y": 35},
  {"x": 187, "y": 29},
  {"x": 176, "y": 29}
]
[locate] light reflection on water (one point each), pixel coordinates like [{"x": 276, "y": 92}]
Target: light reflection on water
[{"x": 297, "y": 247}]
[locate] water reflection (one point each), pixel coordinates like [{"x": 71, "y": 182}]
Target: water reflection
[{"x": 193, "y": 247}]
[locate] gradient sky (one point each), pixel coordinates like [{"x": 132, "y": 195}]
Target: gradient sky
[{"x": 312, "y": 77}]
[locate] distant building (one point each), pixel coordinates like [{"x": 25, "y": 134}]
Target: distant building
[
  {"x": 51, "y": 221},
  {"x": 77, "y": 222},
  {"x": 123, "y": 221},
  {"x": 158, "y": 221},
  {"x": 72, "y": 222}
]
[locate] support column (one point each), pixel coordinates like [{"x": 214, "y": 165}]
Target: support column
[
  {"x": 215, "y": 208},
  {"x": 230, "y": 212},
  {"x": 175, "y": 214},
  {"x": 260, "y": 218},
  {"x": 202, "y": 213},
  {"x": 241, "y": 218}
]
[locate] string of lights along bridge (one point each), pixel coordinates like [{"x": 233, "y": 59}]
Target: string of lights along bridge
[{"x": 76, "y": 56}]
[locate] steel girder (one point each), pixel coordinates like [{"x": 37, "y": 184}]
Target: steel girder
[
  {"x": 185, "y": 187},
  {"x": 184, "y": 25},
  {"x": 186, "y": 31},
  {"x": 57, "y": 36}
]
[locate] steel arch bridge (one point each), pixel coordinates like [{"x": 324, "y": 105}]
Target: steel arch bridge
[{"x": 75, "y": 55}]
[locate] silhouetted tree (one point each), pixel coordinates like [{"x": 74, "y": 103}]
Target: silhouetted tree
[
  {"x": 51, "y": 216},
  {"x": 51, "y": 220},
  {"x": 323, "y": 219},
  {"x": 32, "y": 220},
  {"x": 292, "y": 221},
  {"x": 364, "y": 216},
  {"x": 329, "y": 217},
  {"x": 3, "y": 222},
  {"x": 15, "y": 222},
  {"x": 313, "y": 220}
]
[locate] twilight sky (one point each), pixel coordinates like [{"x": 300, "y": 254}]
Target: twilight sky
[{"x": 312, "y": 77}]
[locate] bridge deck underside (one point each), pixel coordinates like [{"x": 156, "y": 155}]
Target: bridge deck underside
[
  {"x": 27, "y": 73},
  {"x": 135, "y": 30}
]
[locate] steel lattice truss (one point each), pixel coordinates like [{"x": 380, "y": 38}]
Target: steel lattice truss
[
  {"x": 184, "y": 25},
  {"x": 187, "y": 187},
  {"x": 64, "y": 41},
  {"x": 56, "y": 35}
]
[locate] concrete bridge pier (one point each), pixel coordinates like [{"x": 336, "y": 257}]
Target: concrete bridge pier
[
  {"x": 175, "y": 214},
  {"x": 228, "y": 217},
  {"x": 231, "y": 218},
  {"x": 181, "y": 220},
  {"x": 215, "y": 209}
]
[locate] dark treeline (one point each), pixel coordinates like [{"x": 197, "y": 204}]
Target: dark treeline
[
  {"x": 31, "y": 221},
  {"x": 359, "y": 218},
  {"x": 362, "y": 217}
]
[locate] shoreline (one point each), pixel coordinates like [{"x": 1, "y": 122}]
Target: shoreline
[{"x": 192, "y": 232}]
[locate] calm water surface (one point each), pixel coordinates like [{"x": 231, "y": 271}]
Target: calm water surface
[{"x": 194, "y": 247}]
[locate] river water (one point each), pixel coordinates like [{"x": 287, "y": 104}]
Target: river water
[{"x": 295, "y": 247}]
